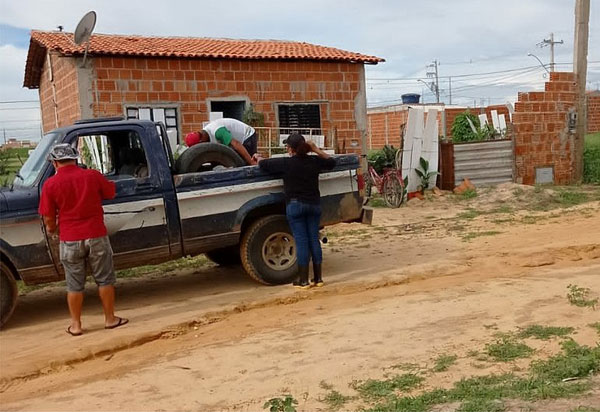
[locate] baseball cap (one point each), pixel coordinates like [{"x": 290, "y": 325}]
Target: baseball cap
[
  {"x": 294, "y": 140},
  {"x": 63, "y": 151},
  {"x": 192, "y": 139}
]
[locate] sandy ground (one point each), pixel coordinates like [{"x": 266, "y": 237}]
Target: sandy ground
[{"x": 418, "y": 283}]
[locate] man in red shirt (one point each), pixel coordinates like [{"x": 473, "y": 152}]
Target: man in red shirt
[{"x": 75, "y": 195}]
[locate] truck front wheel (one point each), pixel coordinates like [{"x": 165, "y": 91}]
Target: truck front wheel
[
  {"x": 8, "y": 293},
  {"x": 268, "y": 251}
]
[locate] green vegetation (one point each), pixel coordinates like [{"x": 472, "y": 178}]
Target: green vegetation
[
  {"x": 595, "y": 326},
  {"x": 286, "y": 404},
  {"x": 506, "y": 348},
  {"x": 473, "y": 235},
  {"x": 182, "y": 263},
  {"x": 424, "y": 174},
  {"x": 462, "y": 131},
  {"x": 575, "y": 362},
  {"x": 579, "y": 296},
  {"x": 468, "y": 194},
  {"x": 443, "y": 362},
  {"x": 487, "y": 393},
  {"x": 591, "y": 159},
  {"x": 585, "y": 409},
  {"x": 10, "y": 163},
  {"x": 469, "y": 214},
  {"x": 382, "y": 159},
  {"x": 544, "y": 332},
  {"x": 373, "y": 389}
]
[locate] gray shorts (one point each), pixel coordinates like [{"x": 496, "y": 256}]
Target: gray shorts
[{"x": 97, "y": 252}]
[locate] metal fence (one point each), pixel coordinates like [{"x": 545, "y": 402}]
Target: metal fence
[{"x": 484, "y": 163}]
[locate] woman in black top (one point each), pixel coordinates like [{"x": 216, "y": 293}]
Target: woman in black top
[{"x": 303, "y": 210}]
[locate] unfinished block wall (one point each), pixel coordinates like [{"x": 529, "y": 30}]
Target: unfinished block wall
[
  {"x": 543, "y": 136},
  {"x": 385, "y": 128},
  {"x": 59, "y": 95}
]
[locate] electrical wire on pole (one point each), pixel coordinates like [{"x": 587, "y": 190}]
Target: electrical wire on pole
[{"x": 550, "y": 42}]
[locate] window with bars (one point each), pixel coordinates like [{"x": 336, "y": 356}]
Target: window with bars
[
  {"x": 166, "y": 115},
  {"x": 299, "y": 116}
]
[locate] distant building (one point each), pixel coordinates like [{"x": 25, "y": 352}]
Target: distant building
[{"x": 16, "y": 144}]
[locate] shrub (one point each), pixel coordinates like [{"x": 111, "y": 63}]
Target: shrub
[
  {"x": 382, "y": 159},
  {"x": 462, "y": 132},
  {"x": 591, "y": 159}
]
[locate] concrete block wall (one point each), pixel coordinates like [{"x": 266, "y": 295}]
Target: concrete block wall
[
  {"x": 542, "y": 134},
  {"x": 60, "y": 106},
  {"x": 191, "y": 83},
  {"x": 593, "y": 112}
]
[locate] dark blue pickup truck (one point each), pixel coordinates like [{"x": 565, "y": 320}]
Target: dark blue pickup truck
[{"x": 161, "y": 212}]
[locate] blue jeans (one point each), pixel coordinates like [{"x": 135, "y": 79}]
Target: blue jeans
[{"x": 304, "y": 220}]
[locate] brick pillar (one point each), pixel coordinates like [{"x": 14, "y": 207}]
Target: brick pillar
[{"x": 543, "y": 136}]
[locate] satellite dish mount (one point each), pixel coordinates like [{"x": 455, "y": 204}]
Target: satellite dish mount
[{"x": 84, "y": 30}]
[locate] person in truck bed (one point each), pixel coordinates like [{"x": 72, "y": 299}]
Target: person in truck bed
[
  {"x": 231, "y": 132},
  {"x": 302, "y": 197},
  {"x": 75, "y": 195}
]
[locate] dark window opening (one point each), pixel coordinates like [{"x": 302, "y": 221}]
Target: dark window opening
[
  {"x": 300, "y": 116},
  {"x": 230, "y": 109}
]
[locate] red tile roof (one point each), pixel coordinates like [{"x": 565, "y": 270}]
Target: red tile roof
[{"x": 185, "y": 47}]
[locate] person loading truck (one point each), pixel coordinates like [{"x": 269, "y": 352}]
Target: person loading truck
[{"x": 231, "y": 132}]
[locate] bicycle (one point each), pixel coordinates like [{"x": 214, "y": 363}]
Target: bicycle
[{"x": 390, "y": 185}]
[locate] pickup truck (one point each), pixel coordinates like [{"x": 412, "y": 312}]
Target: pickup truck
[{"x": 231, "y": 214}]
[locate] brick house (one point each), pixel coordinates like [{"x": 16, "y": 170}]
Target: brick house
[{"x": 181, "y": 80}]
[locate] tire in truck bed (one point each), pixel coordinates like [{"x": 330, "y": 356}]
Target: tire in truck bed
[{"x": 203, "y": 157}]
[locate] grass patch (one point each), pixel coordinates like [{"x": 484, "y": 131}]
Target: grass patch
[
  {"x": 473, "y": 235},
  {"x": 335, "y": 400},
  {"x": 376, "y": 201},
  {"x": 591, "y": 158},
  {"x": 544, "y": 332},
  {"x": 181, "y": 263},
  {"x": 575, "y": 362},
  {"x": 373, "y": 389},
  {"x": 469, "y": 214},
  {"x": 443, "y": 362},
  {"x": 585, "y": 409},
  {"x": 579, "y": 296},
  {"x": 595, "y": 326},
  {"x": 507, "y": 348},
  {"x": 468, "y": 194}
]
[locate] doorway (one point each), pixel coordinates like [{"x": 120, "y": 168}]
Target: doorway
[{"x": 233, "y": 109}]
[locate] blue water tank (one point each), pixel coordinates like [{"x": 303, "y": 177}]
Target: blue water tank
[{"x": 410, "y": 98}]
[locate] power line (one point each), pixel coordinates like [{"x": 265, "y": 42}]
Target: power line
[
  {"x": 18, "y": 101},
  {"x": 20, "y": 108}
]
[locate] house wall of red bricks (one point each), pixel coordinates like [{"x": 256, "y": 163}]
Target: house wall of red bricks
[
  {"x": 189, "y": 84},
  {"x": 542, "y": 135},
  {"x": 385, "y": 128},
  {"x": 64, "y": 74},
  {"x": 593, "y": 112}
]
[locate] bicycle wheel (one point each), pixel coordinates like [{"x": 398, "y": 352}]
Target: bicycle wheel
[{"x": 393, "y": 193}]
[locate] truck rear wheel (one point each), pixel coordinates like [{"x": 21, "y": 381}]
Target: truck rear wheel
[
  {"x": 227, "y": 256},
  {"x": 268, "y": 251},
  {"x": 8, "y": 293},
  {"x": 203, "y": 157}
]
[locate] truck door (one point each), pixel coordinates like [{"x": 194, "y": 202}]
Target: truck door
[{"x": 135, "y": 218}]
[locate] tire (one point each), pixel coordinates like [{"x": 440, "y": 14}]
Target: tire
[
  {"x": 227, "y": 256},
  {"x": 268, "y": 251},
  {"x": 203, "y": 157},
  {"x": 393, "y": 193},
  {"x": 8, "y": 293}
]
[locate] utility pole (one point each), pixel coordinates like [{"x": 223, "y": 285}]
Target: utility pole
[
  {"x": 435, "y": 84},
  {"x": 450, "y": 88},
  {"x": 582, "y": 19},
  {"x": 550, "y": 42}
]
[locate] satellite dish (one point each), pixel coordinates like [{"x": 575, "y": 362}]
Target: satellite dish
[{"x": 84, "y": 29}]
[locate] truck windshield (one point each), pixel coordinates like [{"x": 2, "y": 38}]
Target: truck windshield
[{"x": 31, "y": 169}]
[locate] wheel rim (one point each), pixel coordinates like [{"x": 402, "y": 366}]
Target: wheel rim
[
  {"x": 279, "y": 251},
  {"x": 393, "y": 192}
]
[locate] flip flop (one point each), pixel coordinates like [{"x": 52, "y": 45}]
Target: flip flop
[
  {"x": 73, "y": 333},
  {"x": 121, "y": 322}
]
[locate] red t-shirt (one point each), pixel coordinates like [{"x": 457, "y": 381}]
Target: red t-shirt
[{"x": 76, "y": 195}]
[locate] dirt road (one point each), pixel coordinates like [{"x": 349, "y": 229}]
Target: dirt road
[{"x": 441, "y": 276}]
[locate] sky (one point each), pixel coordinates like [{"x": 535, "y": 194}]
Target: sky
[{"x": 482, "y": 45}]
